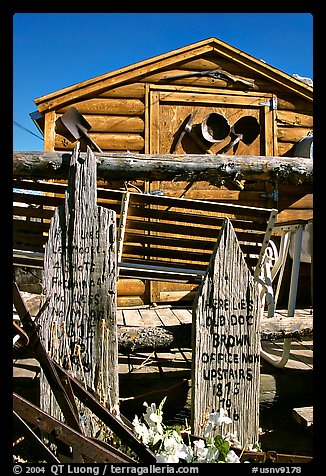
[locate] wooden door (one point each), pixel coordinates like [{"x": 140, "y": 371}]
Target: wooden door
[{"x": 169, "y": 111}]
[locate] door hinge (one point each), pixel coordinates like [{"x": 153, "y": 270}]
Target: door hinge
[
  {"x": 274, "y": 195},
  {"x": 272, "y": 103}
]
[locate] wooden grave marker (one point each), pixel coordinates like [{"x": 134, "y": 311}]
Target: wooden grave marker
[
  {"x": 78, "y": 327},
  {"x": 226, "y": 342}
]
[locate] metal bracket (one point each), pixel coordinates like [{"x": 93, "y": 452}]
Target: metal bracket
[
  {"x": 272, "y": 103},
  {"x": 274, "y": 195}
]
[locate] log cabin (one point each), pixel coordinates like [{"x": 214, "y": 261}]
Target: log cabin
[{"x": 206, "y": 97}]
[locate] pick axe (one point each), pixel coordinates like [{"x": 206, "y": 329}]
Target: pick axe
[{"x": 187, "y": 128}]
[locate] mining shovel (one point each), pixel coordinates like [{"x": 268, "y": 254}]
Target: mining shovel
[{"x": 73, "y": 126}]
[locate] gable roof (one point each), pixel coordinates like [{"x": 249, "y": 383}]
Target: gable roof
[{"x": 140, "y": 69}]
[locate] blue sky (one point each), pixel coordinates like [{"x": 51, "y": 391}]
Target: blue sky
[{"x": 55, "y": 50}]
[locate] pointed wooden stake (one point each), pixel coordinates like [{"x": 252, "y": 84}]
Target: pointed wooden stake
[
  {"x": 225, "y": 342},
  {"x": 78, "y": 327}
]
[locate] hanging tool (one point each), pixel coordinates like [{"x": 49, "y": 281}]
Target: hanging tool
[
  {"x": 187, "y": 128},
  {"x": 74, "y": 126},
  {"x": 213, "y": 132},
  {"x": 246, "y": 129}
]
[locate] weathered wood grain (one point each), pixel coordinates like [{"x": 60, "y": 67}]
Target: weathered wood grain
[
  {"x": 225, "y": 362},
  {"x": 78, "y": 327},
  {"x": 129, "y": 166}
]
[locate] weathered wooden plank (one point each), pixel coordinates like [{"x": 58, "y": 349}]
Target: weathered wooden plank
[
  {"x": 184, "y": 315},
  {"x": 167, "y": 317},
  {"x": 131, "y": 317},
  {"x": 49, "y": 131},
  {"x": 304, "y": 416},
  {"x": 150, "y": 318},
  {"x": 226, "y": 315},
  {"x": 169, "y": 167},
  {"x": 79, "y": 324}
]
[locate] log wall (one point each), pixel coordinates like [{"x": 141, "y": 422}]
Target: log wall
[{"x": 123, "y": 119}]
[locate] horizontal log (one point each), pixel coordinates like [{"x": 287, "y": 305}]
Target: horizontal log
[
  {"x": 109, "y": 124},
  {"x": 109, "y": 141},
  {"x": 293, "y": 118},
  {"x": 291, "y": 134},
  {"x": 141, "y": 339},
  {"x": 124, "y": 107},
  {"x": 134, "y": 91},
  {"x": 111, "y": 166},
  {"x": 293, "y": 103}
]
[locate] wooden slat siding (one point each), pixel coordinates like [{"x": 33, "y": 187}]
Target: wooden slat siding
[
  {"x": 292, "y": 134},
  {"x": 209, "y": 62},
  {"x": 183, "y": 248},
  {"x": 31, "y": 226},
  {"x": 208, "y": 219},
  {"x": 171, "y": 242},
  {"x": 165, "y": 253},
  {"x": 234, "y": 57},
  {"x": 28, "y": 213},
  {"x": 293, "y": 103},
  {"x": 176, "y": 265},
  {"x": 254, "y": 213},
  {"x": 208, "y": 229}
]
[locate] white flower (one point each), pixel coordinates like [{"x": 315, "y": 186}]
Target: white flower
[
  {"x": 141, "y": 430},
  {"x": 232, "y": 457},
  {"x": 171, "y": 445},
  {"x": 185, "y": 452},
  {"x": 218, "y": 418},
  {"x": 161, "y": 458},
  {"x": 200, "y": 451},
  {"x": 232, "y": 439}
]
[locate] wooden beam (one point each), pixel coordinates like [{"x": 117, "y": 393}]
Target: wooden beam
[{"x": 128, "y": 166}]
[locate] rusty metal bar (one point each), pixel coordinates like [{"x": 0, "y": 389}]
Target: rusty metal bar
[
  {"x": 271, "y": 457},
  {"x": 67, "y": 435},
  {"x": 45, "y": 361},
  {"x": 27, "y": 431},
  {"x": 117, "y": 426}
]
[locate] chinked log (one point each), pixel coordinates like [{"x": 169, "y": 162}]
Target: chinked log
[
  {"x": 187, "y": 167},
  {"x": 147, "y": 339}
]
